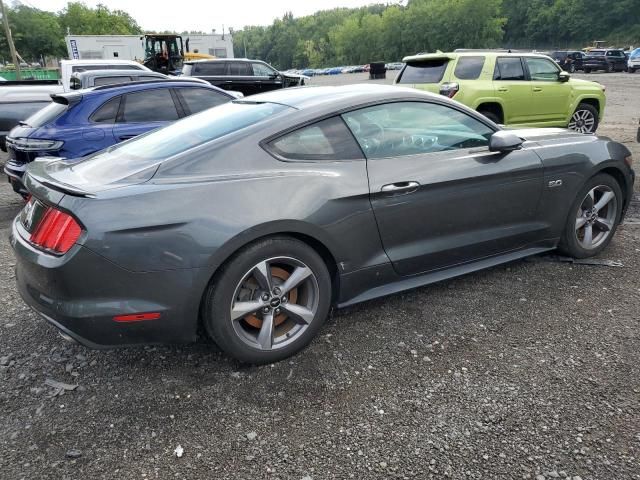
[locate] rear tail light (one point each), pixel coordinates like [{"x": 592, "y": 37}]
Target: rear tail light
[
  {"x": 449, "y": 89},
  {"x": 57, "y": 231}
]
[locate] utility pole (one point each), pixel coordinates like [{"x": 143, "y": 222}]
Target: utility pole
[{"x": 12, "y": 47}]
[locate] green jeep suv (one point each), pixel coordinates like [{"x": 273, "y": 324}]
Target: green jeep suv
[{"x": 522, "y": 89}]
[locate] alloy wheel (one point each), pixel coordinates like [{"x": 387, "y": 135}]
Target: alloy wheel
[
  {"x": 596, "y": 217},
  {"x": 274, "y": 303},
  {"x": 582, "y": 121}
]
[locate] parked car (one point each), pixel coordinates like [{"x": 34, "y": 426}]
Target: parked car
[
  {"x": 21, "y": 99},
  {"x": 96, "y": 78},
  {"x": 80, "y": 123},
  {"x": 633, "y": 63},
  {"x": 609, "y": 60},
  {"x": 516, "y": 89},
  {"x": 569, "y": 60},
  {"x": 243, "y": 75},
  {"x": 395, "y": 66},
  {"x": 251, "y": 219}
]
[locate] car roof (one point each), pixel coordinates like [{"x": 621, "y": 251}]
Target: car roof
[
  {"x": 120, "y": 88},
  {"x": 219, "y": 60},
  {"x": 471, "y": 53},
  {"x": 338, "y": 96},
  {"x": 101, "y": 61},
  {"x": 118, "y": 73}
]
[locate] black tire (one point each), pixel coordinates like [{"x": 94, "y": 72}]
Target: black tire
[
  {"x": 220, "y": 295},
  {"x": 572, "y": 68},
  {"x": 631, "y": 70},
  {"x": 490, "y": 115},
  {"x": 585, "y": 107},
  {"x": 587, "y": 70},
  {"x": 569, "y": 243},
  {"x": 610, "y": 68}
]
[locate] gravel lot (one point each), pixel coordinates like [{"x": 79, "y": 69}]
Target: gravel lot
[{"x": 529, "y": 370}]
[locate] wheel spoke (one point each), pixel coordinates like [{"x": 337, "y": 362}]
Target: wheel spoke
[
  {"x": 262, "y": 274},
  {"x": 588, "y": 236},
  {"x": 265, "y": 337},
  {"x": 242, "y": 309},
  {"x": 295, "y": 279},
  {"x": 606, "y": 198},
  {"x": 587, "y": 203},
  {"x": 298, "y": 313},
  {"x": 580, "y": 222},
  {"x": 603, "y": 224}
]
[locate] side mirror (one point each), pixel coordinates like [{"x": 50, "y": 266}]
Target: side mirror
[
  {"x": 504, "y": 141},
  {"x": 563, "y": 77}
]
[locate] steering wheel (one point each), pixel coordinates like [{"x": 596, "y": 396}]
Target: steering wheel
[{"x": 371, "y": 136}]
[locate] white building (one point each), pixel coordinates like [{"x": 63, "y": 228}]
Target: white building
[{"x": 131, "y": 47}]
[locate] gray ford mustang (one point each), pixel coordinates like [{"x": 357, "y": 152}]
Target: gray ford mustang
[{"x": 253, "y": 218}]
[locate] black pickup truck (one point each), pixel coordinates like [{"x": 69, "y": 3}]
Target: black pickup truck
[
  {"x": 242, "y": 75},
  {"x": 609, "y": 60}
]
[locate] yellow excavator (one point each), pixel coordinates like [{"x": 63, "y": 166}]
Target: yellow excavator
[{"x": 165, "y": 53}]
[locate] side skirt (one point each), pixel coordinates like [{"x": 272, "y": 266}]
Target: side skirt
[{"x": 387, "y": 282}]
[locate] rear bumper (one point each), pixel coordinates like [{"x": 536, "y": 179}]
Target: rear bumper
[
  {"x": 81, "y": 292},
  {"x": 14, "y": 175}
]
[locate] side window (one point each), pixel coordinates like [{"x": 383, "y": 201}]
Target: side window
[
  {"x": 149, "y": 106},
  {"x": 326, "y": 140},
  {"x": 107, "y": 112},
  {"x": 197, "y": 99},
  {"x": 240, "y": 69},
  {"x": 412, "y": 128},
  {"x": 469, "y": 68},
  {"x": 110, "y": 80},
  {"x": 213, "y": 68},
  {"x": 508, "y": 68},
  {"x": 542, "y": 69},
  {"x": 262, "y": 70}
]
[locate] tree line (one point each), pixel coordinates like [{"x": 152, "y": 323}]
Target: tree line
[{"x": 346, "y": 36}]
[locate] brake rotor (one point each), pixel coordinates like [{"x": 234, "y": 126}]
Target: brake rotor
[{"x": 279, "y": 276}]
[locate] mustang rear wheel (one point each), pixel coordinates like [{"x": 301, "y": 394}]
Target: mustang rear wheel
[
  {"x": 269, "y": 301},
  {"x": 584, "y": 119},
  {"x": 594, "y": 217}
]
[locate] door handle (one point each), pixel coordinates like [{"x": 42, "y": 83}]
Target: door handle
[
  {"x": 503, "y": 89},
  {"x": 400, "y": 188},
  {"x": 537, "y": 89}
]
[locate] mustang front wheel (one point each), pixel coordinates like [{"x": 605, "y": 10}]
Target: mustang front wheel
[
  {"x": 594, "y": 217},
  {"x": 269, "y": 301}
]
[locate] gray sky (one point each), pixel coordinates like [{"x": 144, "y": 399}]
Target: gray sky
[{"x": 205, "y": 15}]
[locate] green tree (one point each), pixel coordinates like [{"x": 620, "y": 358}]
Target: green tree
[
  {"x": 35, "y": 33},
  {"x": 79, "y": 19}
]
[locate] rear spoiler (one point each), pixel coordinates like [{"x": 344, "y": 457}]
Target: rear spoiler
[
  {"x": 425, "y": 57},
  {"x": 68, "y": 99},
  {"x": 36, "y": 177}
]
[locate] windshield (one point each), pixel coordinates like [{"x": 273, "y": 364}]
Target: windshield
[
  {"x": 635, "y": 53},
  {"x": 127, "y": 159},
  {"x": 47, "y": 115}
]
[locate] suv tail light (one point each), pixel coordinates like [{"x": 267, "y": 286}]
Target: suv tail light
[
  {"x": 449, "y": 89},
  {"x": 57, "y": 231}
]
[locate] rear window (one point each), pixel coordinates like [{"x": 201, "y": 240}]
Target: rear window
[
  {"x": 509, "y": 68},
  {"x": 47, "y": 115},
  {"x": 424, "y": 72},
  {"x": 110, "y": 80},
  {"x": 86, "y": 68},
  {"x": 469, "y": 68},
  {"x": 216, "y": 68},
  {"x": 134, "y": 156}
]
